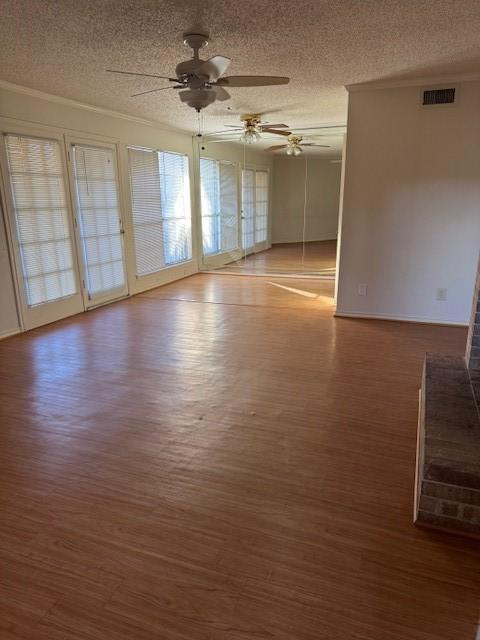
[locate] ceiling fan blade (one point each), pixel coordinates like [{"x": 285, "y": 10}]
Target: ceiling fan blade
[
  {"x": 221, "y": 93},
  {"x": 213, "y": 68},
  {"x": 314, "y": 144},
  {"x": 276, "y": 132},
  {"x": 145, "y": 75},
  {"x": 142, "y": 93},
  {"x": 276, "y": 147},
  {"x": 267, "y": 125},
  {"x": 234, "y": 126},
  {"x": 252, "y": 81}
]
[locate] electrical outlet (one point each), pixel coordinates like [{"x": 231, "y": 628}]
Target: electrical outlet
[
  {"x": 362, "y": 289},
  {"x": 441, "y": 294}
]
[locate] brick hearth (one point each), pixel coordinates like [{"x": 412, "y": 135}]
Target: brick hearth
[{"x": 448, "y": 449}]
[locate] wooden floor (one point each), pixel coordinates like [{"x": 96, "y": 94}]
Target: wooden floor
[
  {"x": 291, "y": 258},
  {"x": 221, "y": 459}
]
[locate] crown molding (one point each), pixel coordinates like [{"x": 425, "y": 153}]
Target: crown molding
[
  {"x": 49, "y": 97},
  {"x": 412, "y": 82}
]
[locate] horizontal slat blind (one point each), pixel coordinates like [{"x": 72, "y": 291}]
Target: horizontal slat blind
[
  {"x": 219, "y": 206},
  {"x": 41, "y": 215},
  {"x": 228, "y": 207},
  {"x": 175, "y": 195},
  {"x": 99, "y": 216},
  {"x": 261, "y": 206},
  {"x": 146, "y": 210},
  {"x": 161, "y": 213},
  {"x": 210, "y": 199}
]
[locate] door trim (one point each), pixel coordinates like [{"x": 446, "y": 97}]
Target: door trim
[
  {"x": 90, "y": 302},
  {"x": 44, "y": 313}
]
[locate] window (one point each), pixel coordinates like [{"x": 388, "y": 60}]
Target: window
[
  {"x": 99, "y": 218},
  {"x": 218, "y": 183},
  {"x": 261, "y": 207},
  {"x": 42, "y": 219},
  {"x": 160, "y": 189}
]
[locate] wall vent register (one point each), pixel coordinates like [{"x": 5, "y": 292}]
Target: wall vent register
[{"x": 438, "y": 96}]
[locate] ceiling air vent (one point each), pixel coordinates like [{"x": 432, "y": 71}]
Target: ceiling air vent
[{"x": 439, "y": 96}]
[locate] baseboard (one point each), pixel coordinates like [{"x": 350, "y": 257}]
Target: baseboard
[
  {"x": 381, "y": 316},
  {"x": 327, "y": 239},
  {"x": 266, "y": 274},
  {"x": 9, "y": 334}
]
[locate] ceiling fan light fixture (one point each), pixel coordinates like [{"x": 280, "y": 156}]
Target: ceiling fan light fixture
[
  {"x": 250, "y": 136},
  {"x": 296, "y": 150}
]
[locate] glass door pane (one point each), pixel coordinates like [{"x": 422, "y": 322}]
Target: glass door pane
[
  {"x": 248, "y": 210},
  {"x": 261, "y": 209},
  {"x": 99, "y": 223},
  {"x": 175, "y": 207},
  {"x": 219, "y": 201},
  {"x": 42, "y": 220}
]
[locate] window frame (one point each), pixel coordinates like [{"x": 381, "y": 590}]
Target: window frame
[{"x": 168, "y": 273}]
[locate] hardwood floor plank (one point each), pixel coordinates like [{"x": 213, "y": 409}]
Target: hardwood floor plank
[{"x": 222, "y": 459}]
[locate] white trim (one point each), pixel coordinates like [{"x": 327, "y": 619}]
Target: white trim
[
  {"x": 328, "y": 238},
  {"x": 250, "y": 274},
  {"x": 163, "y": 276},
  {"x": 412, "y": 82},
  {"x": 9, "y": 333},
  {"x": 35, "y": 93},
  {"x": 384, "y": 316}
]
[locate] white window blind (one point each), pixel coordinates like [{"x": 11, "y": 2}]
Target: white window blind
[
  {"x": 160, "y": 190},
  {"x": 41, "y": 215},
  {"x": 99, "y": 218},
  {"x": 248, "y": 204},
  {"x": 175, "y": 192},
  {"x": 261, "y": 206},
  {"x": 219, "y": 206}
]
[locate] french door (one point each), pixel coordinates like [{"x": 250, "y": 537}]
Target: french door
[
  {"x": 98, "y": 222},
  {"x": 248, "y": 210},
  {"x": 254, "y": 210},
  {"x": 41, "y": 225}
]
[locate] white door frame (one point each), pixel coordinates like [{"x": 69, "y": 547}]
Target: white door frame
[
  {"x": 37, "y": 315},
  {"x": 221, "y": 258},
  {"x": 257, "y": 246},
  {"x": 121, "y": 292}
]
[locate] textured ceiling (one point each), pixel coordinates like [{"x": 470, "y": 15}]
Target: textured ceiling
[{"x": 64, "y": 46}]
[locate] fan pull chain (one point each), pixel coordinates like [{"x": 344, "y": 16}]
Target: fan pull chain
[
  {"x": 304, "y": 213},
  {"x": 244, "y": 225}
]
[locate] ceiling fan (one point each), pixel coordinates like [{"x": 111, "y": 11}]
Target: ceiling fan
[
  {"x": 201, "y": 82},
  {"x": 295, "y": 144},
  {"x": 253, "y": 127}
]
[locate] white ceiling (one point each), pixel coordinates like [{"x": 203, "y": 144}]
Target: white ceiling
[{"x": 63, "y": 47}]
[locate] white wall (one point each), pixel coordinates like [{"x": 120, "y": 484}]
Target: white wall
[
  {"x": 411, "y": 205},
  {"x": 323, "y": 190},
  {"x": 26, "y": 111}
]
